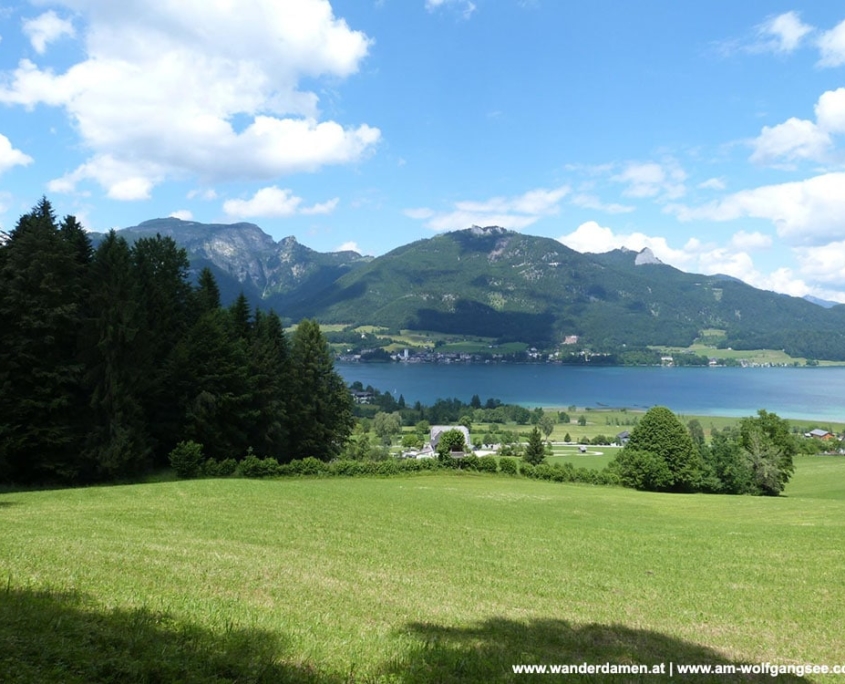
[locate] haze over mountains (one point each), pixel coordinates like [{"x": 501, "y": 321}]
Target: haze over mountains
[{"x": 506, "y": 285}]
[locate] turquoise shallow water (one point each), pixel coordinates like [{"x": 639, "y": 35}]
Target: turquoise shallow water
[{"x": 805, "y": 393}]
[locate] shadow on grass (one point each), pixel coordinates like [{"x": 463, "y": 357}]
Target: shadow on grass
[
  {"x": 56, "y": 637},
  {"x": 487, "y": 652}
]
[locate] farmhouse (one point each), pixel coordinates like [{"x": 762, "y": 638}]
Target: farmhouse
[{"x": 820, "y": 434}]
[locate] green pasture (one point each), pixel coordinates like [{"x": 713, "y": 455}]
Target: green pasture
[{"x": 438, "y": 578}]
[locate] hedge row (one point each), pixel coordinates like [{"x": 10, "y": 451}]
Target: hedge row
[{"x": 188, "y": 462}]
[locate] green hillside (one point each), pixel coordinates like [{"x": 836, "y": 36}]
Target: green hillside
[
  {"x": 495, "y": 283},
  {"x": 414, "y": 580}
]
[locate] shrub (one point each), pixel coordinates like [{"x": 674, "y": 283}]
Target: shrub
[
  {"x": 469, "y": 462},
  {"x": 344, "y": 468},
  {"x": 186, "y": 459},
  {"x": 509, "y": 466},
  {"x": 429, "y": 464},
  {"x": 227, "y": 468},
  {"x": 488, "y": 464},
  {"x": 210, "y": 468},
  {"x": 410, "y": 465},
  {"x": 564, "y": 472},
  {"x": 388, "y": 467},
  {"x": 252, "y": 466},
  {"x": 642, "y": 470},
  {"x": 308, "y": 466}
]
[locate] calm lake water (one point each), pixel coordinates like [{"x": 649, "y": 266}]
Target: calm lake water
[{"x": 804, "y": 393}]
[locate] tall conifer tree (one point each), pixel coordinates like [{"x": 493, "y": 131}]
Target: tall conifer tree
[
  {"x": 41, "y": 285},
  {"x": 118, "y": 442},
  {"x": 321, "y": 404}
]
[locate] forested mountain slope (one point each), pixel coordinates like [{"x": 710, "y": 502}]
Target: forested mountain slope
[{"x": 497, "y": 283}]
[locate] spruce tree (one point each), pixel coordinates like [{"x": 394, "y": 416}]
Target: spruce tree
[
  {"x": 535, "y": 452},
  {"x": 207, "y": 294},
  {"x": 41, "y": 288},
  {"x": 270, "y": 380},
  {"x": 321, "y": 405},
  {"x": 165, "y": 308},
  {"x": 239, "y": 312},
  {"x": 118, "y": 442},
  {"x": 209, "y": 370}
]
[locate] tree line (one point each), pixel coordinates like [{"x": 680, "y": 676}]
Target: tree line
[
  {"x": 662, "y": 454},
  {"x": 110, "y": 357}
]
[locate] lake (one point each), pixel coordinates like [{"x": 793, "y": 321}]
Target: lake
[{"x": 802, "y": 393}]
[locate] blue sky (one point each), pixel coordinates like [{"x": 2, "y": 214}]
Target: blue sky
[{"x": 713, "y": 133}]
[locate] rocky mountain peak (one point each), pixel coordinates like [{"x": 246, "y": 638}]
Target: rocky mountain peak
[{"x": 646, "y": 256}]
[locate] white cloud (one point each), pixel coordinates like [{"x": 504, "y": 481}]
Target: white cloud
[
  {"x": 811, "y": 211},
  {"x": 792, "y": 140},
  {"x": 650, "y": 179},
  {"x": 712, "y": 184},
  {"x": 514, "y": 213},
  {"x": 465, "y": 7},
  {"x": 832, "y": 46},
  {"x": 748, "y": 241},
  {"x": 798, "y": 139},
  {"x": 818, "y": 265},
  {"x": 587, "y": 201},
  {"x": 420, "y": 214},
  {"x": 46, "y": 29},
  {"x": 824, "y": 264},
  {"x": 591, "y": 237},
  {"x": 164, "y": 83},
  {"x": 782, "y": 33},
  {"x": 206, "y": 194},
  {"x": 183, "y": 214},
  {"x": 123, "y": 180},
  {"x": 10, "y": 157},
  {"x": 830, "y": 111},
  {"x": 322, "y": 208},
  {"x": 274, "y": 202},
  {"x": 349, "y": 247}
]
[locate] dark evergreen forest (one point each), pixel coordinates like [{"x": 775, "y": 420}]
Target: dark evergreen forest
[{"x": 111, "y": 357}]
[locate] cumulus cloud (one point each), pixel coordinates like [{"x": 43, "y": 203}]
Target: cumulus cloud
[
  {"x": 349, "y": 247},
  {"x": 798, "y": 139},
  {"x": 792, "y": 140},
  {"x": 810, "y": 211},
  {"x": 824, "y": 263},
  {"x": 832, "y": 46},
  {"x": 46, "y": 29},
  {"x": 818, "y": 266},
  {"x": 591, "y": 237},
  {"x": 783, "y": 33},
  {"x": 274, "y": 202},
  {"x": 183, "y": 214},
  {"x": 650, "y": 179},
  {"x": 515, "y": 213},
  {"x": 197, "y": 89},
  {"x": 10, "y": 157},
  {"x": 830, "y": 111}
]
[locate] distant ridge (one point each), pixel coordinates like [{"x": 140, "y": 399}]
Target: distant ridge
[{"x": 492, "y": 282}]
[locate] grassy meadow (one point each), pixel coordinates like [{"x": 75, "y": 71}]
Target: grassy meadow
[{"x": 431, "y": 578}]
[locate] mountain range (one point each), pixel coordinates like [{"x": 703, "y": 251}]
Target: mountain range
[{"x": 497, "y": 283}]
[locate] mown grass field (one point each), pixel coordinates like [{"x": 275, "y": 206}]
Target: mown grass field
[{"x": 437, "y": 578}]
